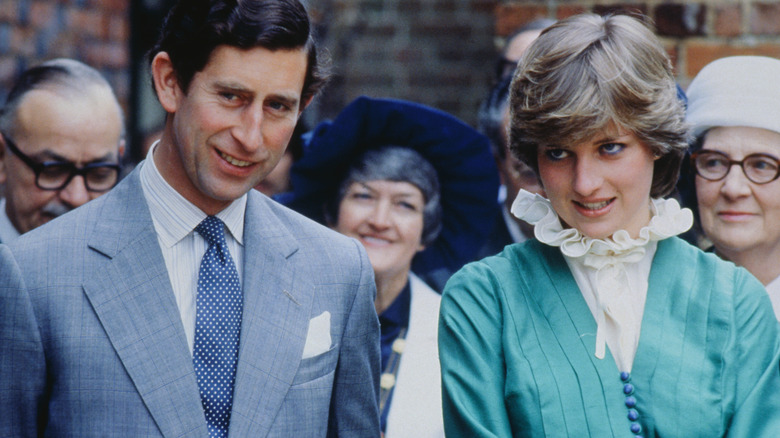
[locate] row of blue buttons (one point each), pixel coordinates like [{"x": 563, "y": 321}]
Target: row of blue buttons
[{"x": 633, "y": 415}]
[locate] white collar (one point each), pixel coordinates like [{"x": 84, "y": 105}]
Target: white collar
[
  {"x": 668, "y": 220},
  {"x": 176, "y": 215}
]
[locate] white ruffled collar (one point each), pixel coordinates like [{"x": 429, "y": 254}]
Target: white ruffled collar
[
  {"x": 608, "y": 260},
  {"x": 668, "y": 220}
]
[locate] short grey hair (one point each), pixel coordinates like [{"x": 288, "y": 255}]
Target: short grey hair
[{"x": 399, "y": 164}]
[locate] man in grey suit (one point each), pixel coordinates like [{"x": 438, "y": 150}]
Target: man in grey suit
[{"x": 182, "y": 303}]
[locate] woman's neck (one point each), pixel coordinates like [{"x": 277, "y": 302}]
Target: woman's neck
[
  {"x": 388, "y": 287},
  {"x": 761, "y": 261}
]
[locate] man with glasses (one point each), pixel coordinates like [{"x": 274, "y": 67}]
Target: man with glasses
[{"x": 60, "y": 143}]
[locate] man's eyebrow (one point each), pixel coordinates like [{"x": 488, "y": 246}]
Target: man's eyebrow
[
  {"x": 231, "y": 86},
  {"x": 289, "y": 100}
]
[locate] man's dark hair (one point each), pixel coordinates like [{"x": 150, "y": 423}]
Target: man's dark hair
[{"x": 194, "y": 28}]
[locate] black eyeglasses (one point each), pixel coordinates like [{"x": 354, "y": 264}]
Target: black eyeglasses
[
  {"x": 714, "y": 166},
  {"x": 56, "y": 175}
]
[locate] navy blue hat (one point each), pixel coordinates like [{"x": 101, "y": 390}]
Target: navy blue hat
[{"x": 461, "y": 156}]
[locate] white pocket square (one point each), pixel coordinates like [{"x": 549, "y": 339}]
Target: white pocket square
[{"x": 318, "y": 337}]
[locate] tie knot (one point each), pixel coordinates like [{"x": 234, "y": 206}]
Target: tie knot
[{"x": 213, "y": 230}]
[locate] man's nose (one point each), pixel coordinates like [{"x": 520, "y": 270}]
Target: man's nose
[{"x": 75, "y": 193}]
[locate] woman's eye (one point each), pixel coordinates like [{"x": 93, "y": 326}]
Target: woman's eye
[
  {"x": 612, "y": 148},
  {"x": 556, "y": 154},
  {"x": 361, "y": 195},
  {"x": 408, "y": 206}
]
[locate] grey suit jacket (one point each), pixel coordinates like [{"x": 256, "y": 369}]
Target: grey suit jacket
[{"x": 92, "y": 343}]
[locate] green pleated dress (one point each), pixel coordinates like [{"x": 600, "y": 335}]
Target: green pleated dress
[{"x": 517, "y": 341}]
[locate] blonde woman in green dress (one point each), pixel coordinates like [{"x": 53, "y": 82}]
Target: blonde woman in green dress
[{"x": 606, "y": 324}]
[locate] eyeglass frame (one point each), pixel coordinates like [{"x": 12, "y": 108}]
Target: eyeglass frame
[
  {"x": 731, "y": 163},
  {"x": 38, "y": 168}
]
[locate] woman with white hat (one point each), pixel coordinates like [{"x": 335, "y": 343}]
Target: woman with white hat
[{"x": 733, "y": 106}]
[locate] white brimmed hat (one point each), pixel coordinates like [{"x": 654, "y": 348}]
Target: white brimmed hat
[{"x": 735, "y": 91}]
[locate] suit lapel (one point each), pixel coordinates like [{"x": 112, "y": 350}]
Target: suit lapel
[
  {"x": 277, "y": 309},
  {"x": 131, "y": 294}
]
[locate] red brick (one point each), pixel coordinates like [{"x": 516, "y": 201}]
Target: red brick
[
  {"x": 106, "y": 55},
  {"x": 9, "y": 10},
  {"x": 92, "y": 23},
  {"x": 700, "y": 54},
  {"x": 23, "y": 42},
  {"x": 118, "y": 27},
  {"x": 65, "y": 46},
  {"x": 41, "y": 14},
  {"x": 512, "y": 16},
  {"x": 728, "y": 20},
  {"x": 567, "y": 11},
  {"x": 765, "y": 19}
]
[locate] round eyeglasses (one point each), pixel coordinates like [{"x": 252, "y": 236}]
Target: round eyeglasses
[
  {"x": 56, "y": 175},
  {"x": 714, "y": 166}
]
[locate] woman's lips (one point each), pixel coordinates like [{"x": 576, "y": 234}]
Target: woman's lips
[
  {"x": 735, "y": 216},
  {"x": 593, "y": 208}
]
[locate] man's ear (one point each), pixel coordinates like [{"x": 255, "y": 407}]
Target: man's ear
[
  {"x": 166, "y": 84},
  {"x": 306, "y": 101}
]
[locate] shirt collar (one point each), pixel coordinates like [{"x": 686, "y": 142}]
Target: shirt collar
[{"x": 175, "y": 217}]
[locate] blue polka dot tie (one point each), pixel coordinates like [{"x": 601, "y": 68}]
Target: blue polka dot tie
[{"x": 217, "y": 327}]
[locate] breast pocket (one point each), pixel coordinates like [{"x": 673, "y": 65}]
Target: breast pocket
[{"x": 317, "y": 366}]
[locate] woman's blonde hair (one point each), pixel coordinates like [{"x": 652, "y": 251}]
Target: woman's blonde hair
[{"x": 587, "y": 71}]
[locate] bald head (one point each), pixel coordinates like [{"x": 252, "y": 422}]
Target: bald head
[
  {"x": 66, "y": 77},
  {"x": 64, "y": 112}
]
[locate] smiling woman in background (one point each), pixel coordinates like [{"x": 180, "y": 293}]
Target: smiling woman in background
[
  {"x": 403, "y": 180},
  {"x": 606, "y": 324},
  {"x": 734, "y": 107}
]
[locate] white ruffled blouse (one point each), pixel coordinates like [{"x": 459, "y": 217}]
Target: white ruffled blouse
[{"x": 612, "y": 273}]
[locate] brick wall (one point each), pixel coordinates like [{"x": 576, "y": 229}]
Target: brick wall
[
  {"x": 94, "y": 31},
  {"x": 436, "y": 52},
  {"x": 695, "y": 33}
]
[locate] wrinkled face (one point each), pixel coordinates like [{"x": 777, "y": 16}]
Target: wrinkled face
[
  {"x": 231, "y": 127},
  {"x": 600, "y": 185},
  {"x": 52, "y": 127},
  {"x": 387, "y": 218},
  {"x": 736, "y": 214}
]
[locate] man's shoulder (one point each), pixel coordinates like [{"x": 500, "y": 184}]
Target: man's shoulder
[{"x": 304, "y": 230}]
